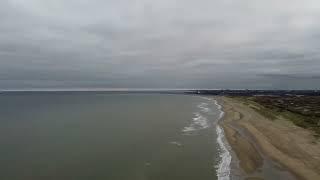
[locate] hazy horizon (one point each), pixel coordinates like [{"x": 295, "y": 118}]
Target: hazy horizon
[
  {"x": 181, "y": 44},
  {"x": 135, "y": 89}
]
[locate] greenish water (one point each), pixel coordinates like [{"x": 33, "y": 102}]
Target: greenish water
[{"x": 97, "y": 136}]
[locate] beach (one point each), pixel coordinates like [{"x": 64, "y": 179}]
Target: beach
[{"x": 269, "y": 149}]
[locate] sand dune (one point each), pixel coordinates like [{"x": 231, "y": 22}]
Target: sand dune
[{"x": 256, "y": 139}]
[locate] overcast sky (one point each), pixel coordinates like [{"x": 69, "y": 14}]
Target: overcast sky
[{"x": 265, "y": 44}]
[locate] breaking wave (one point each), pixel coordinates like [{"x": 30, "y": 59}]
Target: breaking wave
[
  {"x": 223, "y": 171},
  {"x": 198, "y": 122},
  {"x": 204, "y": 107}
]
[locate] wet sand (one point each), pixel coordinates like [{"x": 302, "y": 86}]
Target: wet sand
[{"x": 269, "y": 149}]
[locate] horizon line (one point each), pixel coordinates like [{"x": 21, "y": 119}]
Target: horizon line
[{"x": 140, "y": 89}]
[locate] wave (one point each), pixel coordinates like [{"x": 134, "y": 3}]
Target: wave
[
  {"x": 224, "y": 168},
  {"x": 198, "y": 122},
  {"x": 206, "y": 98},
  {"x": 219, "y": 108},
  {"x": 188, "y": 129},
  {"x": 223, "y": 171},
  {"x": 204, "y": 107},
  {"x": 175, "y": 143}
]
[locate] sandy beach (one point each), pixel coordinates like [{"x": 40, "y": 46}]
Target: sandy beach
[{"x": 269, "y": 149}]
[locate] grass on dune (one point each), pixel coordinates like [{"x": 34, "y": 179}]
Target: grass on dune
[{"x": 273, "y": 112}]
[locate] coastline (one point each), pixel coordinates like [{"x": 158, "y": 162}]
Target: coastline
[
  {"x": 268, "y": 149},
  {"x": 224, "y": 167}
]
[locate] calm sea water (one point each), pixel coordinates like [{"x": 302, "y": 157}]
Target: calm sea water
[{"x": 97, "y": 136}]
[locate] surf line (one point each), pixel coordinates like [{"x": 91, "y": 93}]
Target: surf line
[{"x": 223, "y": 168}]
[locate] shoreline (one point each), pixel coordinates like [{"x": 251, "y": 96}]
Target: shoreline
[
  {"x": 224, "y": 167},
  {"x": 268, "y": 149}
]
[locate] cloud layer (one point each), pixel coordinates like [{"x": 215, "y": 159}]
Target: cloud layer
[{"x": 160, "y": 44}]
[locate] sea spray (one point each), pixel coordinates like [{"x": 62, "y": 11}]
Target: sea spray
[{"x": 223, "y": 171}]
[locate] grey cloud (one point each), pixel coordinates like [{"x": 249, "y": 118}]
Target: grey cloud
[
  {"x": 169, "y": 44},
  {"x": 293, "y": 76}
]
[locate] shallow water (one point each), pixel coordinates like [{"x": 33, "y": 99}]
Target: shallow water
[{"x": 108, "y": 136}]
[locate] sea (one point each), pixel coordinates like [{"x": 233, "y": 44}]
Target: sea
[{"x": 111, "y": 136}]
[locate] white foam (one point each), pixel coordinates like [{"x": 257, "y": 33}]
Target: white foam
[
  {"x": 206, "y": 98},
  {"x": 223, "y": 171},
  {"x": 219, "y": 108},
  {"x": 188, "y": 129},
  {"x": 204, "y": 107},
  {"x": 200, "y": 121},
  {"x": 175, "y": 143}
]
